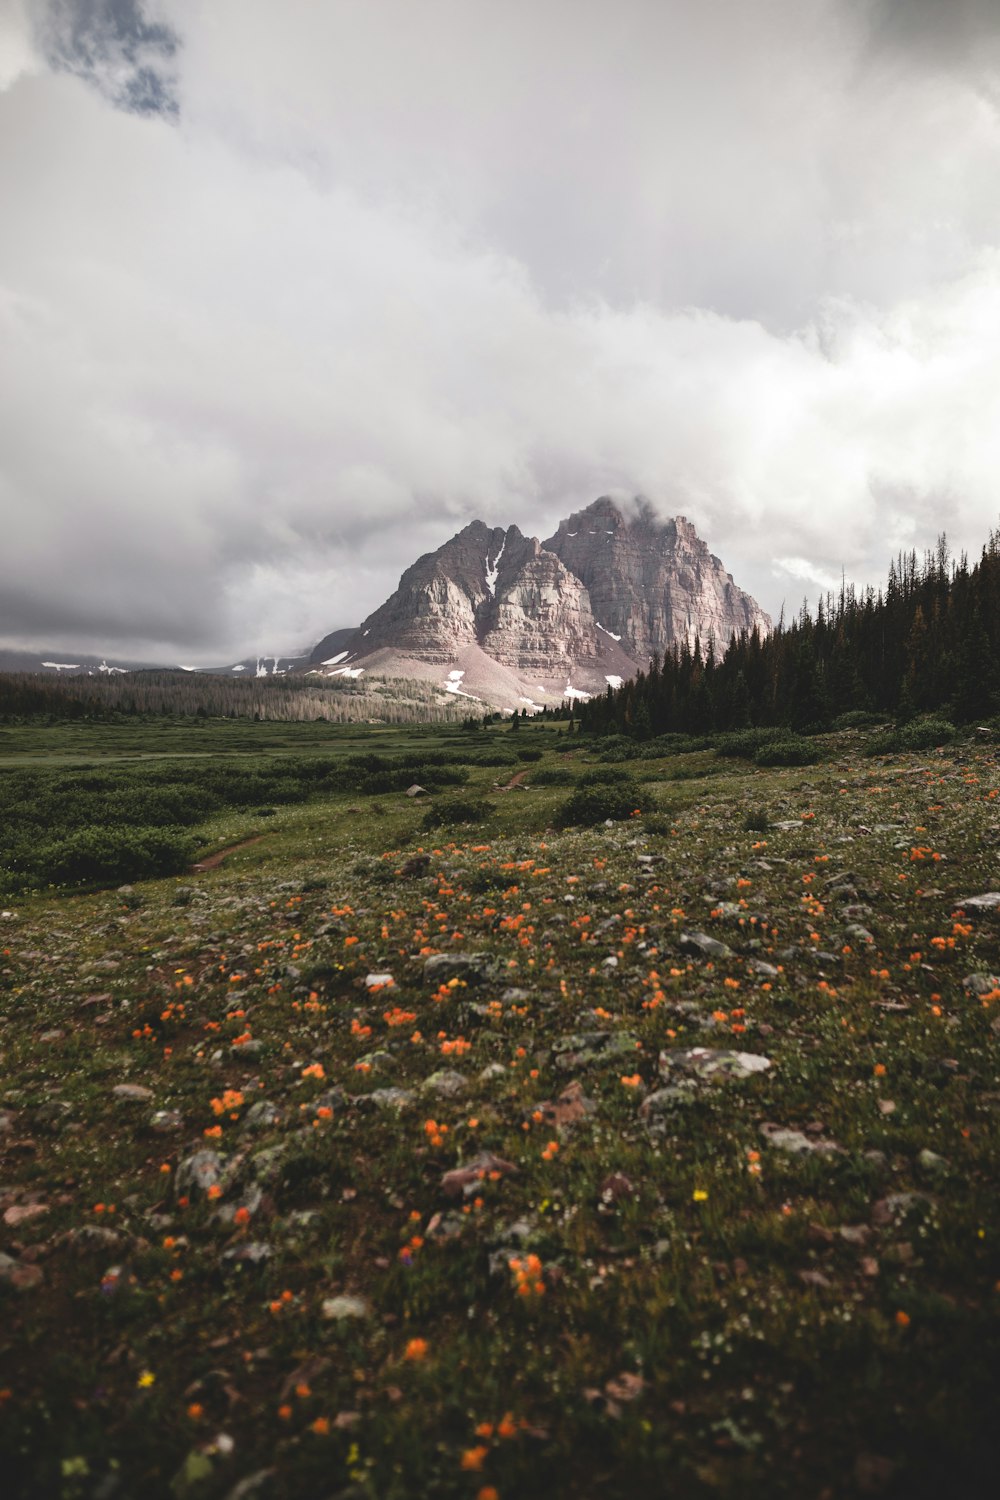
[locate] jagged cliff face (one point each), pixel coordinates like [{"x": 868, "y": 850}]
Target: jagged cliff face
[
  {"x": 651, "y": 582},
  {"x": 533, "y": 620}
]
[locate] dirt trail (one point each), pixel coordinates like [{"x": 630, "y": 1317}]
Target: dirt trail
[
  {"x": 216, "y": 859},
  {"x": 515, "y": 780}
]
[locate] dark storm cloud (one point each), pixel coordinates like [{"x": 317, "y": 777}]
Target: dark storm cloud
[
  {"x": 937, "y": 32},
  {"x": 112, "y": 45}
]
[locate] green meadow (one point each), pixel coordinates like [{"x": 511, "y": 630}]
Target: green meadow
[{"x": 607, "y": 1120}]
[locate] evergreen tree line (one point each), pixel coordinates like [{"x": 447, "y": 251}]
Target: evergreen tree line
[
  {"x": 927, "y": 643},
  {"x": 29, "y": 696}
]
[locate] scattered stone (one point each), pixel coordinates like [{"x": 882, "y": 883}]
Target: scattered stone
[
  {"x": 336, "y": 1309},
  {"x": 132, "y": 1093},
  {"x": 617, "y": 1187},
  {"x": 23, "y": 1213},
  {"x": 378, "y": 981},
  {"x": 198, "y": 1172},
  {"x": 467, "y": 1178},
  {"x": 386, "y": 1099},
  {"x": 263, "y": 1115},
  {"x": 253, "y": 1253},
  {"x": 981, "y": 984},
  {"x": 704, "y": 946},
  {"x": 898, "y": 1205},
  {"x": 445, "y": 1227},
  {"x": 571, "y": 1105},
  {"x": 416, "y": 791},
  {"x": 855, "y": 1234},
  {"x": 664, "y": 1100},
  {"x": 712, "y": 1065},
  {"x": 19, "y": 1274},
  {"x": 94, "y": 1237},
  {"x": 580, "y": 1048},
  {"x": 166, "y": 1121},
  {"x": 814, "y": 1278},
  {"x": 797, "y": 1143},
  {"x": 446, "y": 1083},
  {"x": 474, "y": 968},
  {"x": 764, "y": 970},
  {"x": 491, "y": 1072},
  {"x": 988, "y": 901},
  {"x": 933, "y": 1165}
]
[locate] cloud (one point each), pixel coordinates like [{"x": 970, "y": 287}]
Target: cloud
[
  {"x": 114, "y": 46},
  {"x": 383, "y": 269}
]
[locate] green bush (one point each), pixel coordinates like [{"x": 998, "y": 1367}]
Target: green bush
[
  {"x": 596, "y": 804},
  {"x": 553, "y": 776},
  {"x": 528, "y": 754},
  {"x": 792, "y": 750},
  {"x": 603, "y": 777},
  {"x": 456, "y": 810},
  {"x": 109, "y": 854},
  {"x": 921, "y": 734},
  {"x": 743, "y": 744}
]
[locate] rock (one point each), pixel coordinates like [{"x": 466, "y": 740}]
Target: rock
[
  {"x": 166, "y": 1121},
  {"x": 474, "y": 968},
  {"x": 711, "y": 1065},
  {"x": 378, "y": 981},
  {"x": 53, "y": 1116},
  {"x": 988, "y": 901},
  {"x": 580, "y": 1048},
  {"x": 796, "y": 1143},
  {"x": 704, "y": 946},
  {"x": 23, "y": 1213},
  {"x": 664, "y": 1100},
  {"x": 416, "y": 791},
  {"x": 446, "y": 1083},
  {"x": 467, "y": 1178},
  {"x": 858, "y": 933},
  {"x": 386, "y": 1099},
  {"x": 19, "y": 1274},
  {"x": 336, "y": 1309},
  {"x": 254, "y": 1253},
  {"x": 491, "y": 1072},
  {"x": 981, "y": 984},
  {"x": 898, "y": 1205},
  {"x": 263, "y": 1115},
  {"x": 198, "y": 1173},
  {"x": 417, "y": 864},
  {"x": 571, "y": 1106},
  {"x": 445, "y": 1227},
  {"x": 764, "y": 970},
  {"x": 933, "y": 1165},
  {"x": 132, "y": 1093}
]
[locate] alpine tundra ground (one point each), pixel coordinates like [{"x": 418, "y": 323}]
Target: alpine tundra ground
[{"x": 503, "y": 1159}]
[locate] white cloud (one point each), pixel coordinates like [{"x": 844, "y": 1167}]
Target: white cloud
[{"x": 397, "y": 266}]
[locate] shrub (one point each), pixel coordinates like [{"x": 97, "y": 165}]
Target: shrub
[
  {"x": 921, "y": 734},
  {"x": 456, "y": 810},
  {"x": 604, "y": 777},
  {"x": 596, "y": 804},
  {"x": 792, "y": 750},
  {"x": 553, "y": 776},
  {"x": 115, "y": 854},
  {"x": 756, "y": 821},
  {"x": 743, "y": 744},
  {"x": 528, "y": 754},
  {"x": 856, "y": 718}
]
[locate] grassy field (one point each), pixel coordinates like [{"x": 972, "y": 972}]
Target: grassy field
[{"x": 504, "y": 1158}]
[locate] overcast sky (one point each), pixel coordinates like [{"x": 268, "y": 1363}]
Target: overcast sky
[{"x": 289, "y": 293}]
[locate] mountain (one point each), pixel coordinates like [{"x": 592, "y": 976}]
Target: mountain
[
  {"x": 501, "y": 617},
  {"x": 75, "y": 664}
]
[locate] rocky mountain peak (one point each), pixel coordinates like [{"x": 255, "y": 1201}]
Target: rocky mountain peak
[
  {"x": 542, "y": 620},
  {"x": 652, "y": 582}
]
